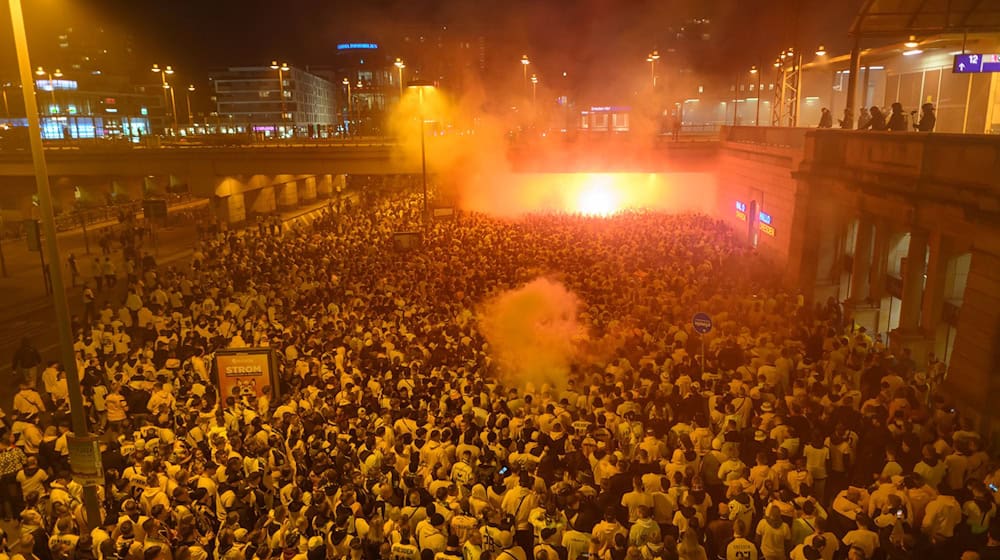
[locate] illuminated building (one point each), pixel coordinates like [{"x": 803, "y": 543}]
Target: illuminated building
[
  {"x": 90, "y": 108},
  {"x": 251, "y": 99}
]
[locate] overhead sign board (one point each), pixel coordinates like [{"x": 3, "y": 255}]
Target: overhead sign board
[{"x": 976, "y": 63}]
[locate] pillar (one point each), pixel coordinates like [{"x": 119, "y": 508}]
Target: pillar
[
  {"x": 287, "y": 194},
  {"x": 852, "y": 82},
  {"x": 937, "y": 270},
  {"x": 972, "y": 382},
  {"x": 862, "y": 264},
  {"x": 913, "y": 281},
  {"x": 230, "y": 209},
  {"x": 307, "y": 189},
  {"x": 262, "y": 201},
  {"x": 862, "y": 306},
  {"x": 324, "y": 186},
  {"x": 880, "y": 261}
]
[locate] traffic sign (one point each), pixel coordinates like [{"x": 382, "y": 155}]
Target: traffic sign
[{"x": 702, "y": 323}]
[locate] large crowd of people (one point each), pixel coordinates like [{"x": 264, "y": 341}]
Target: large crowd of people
[{"x": 394, "y": 433}]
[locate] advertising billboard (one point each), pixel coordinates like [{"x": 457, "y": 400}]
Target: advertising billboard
[{"x": 246, "y": 371}]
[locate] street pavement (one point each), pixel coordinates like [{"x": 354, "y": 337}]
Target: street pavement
[{"x": 26, "y": 310}]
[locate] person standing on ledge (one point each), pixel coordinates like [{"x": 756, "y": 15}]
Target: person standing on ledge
[
  {"x": 927, "y": 118},
  {"x": 897, "y": 121},
  {"x": 825, "y": 119}
]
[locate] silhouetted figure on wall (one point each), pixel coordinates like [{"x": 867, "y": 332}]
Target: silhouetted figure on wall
[
  {"x": 897, "y": 120},
  {"x": 825, "y": 119},
  {"x": 927, "y": 118}
]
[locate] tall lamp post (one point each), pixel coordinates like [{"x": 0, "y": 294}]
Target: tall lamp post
[
  {"x": 281, "y": 68},
  {"x": 190, "y": 89},
  {"x": 52, "y": 86},
  {"x": 754, "y": 70},
  {"x": 421, "y": 86},
  {"x": 166, "y": 88},
  {"x": 60, "y": 303},
  {"x": 534, "y": 89},
  {"x": 524, "y": 67},
  {"x": 399, "y": 64},
  {"x": 347, "y": 117},
  {"x": 651, "y": 58}
]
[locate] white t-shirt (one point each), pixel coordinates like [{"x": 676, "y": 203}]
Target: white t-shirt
[
  {"x": 772, "y": 540},
  {"x": 741, "y": 549}
]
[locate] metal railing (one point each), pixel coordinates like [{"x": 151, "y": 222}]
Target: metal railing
[{"x": 777, "y": 136}]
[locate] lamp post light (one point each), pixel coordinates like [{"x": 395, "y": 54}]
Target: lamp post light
[
  {"x": 281, "y": 68},
  {"x": 60, "y": 303},
  {"x": 755, "y": 71},
  {"x": 350, "y": 110},
  {"x": 190, "y": 89},
  {"x": 524, "y": 67},
  {"x": 651, "y": 58},
  {"x": 166, "y": 88},
  {"x": 52, "y": 86},
  {"x": 399, "y": 64},
  {"x": 534, "y": 88},
  {"x": 421, "y": 86}
]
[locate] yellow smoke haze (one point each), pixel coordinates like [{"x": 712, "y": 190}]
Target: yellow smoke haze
[{"x": 534, "y": 333}]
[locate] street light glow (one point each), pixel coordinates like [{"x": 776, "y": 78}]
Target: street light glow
[
  {"x": 911, "y": 43},
  {"x": 524, "y": 60},
  {"x": 191, "y": 87},
  {"x": 753, "y": 69},
  {"x": 534, "y": 79},
  {"x": 821, "y": 51},
  {"x": 169, "y": 70},
  {"x": 399, "y": 63}
]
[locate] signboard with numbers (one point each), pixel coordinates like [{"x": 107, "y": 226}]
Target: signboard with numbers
[{"x": 976, "y": 63}]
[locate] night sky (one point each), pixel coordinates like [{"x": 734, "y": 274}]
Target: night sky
[{"x": 598, "y": 38}]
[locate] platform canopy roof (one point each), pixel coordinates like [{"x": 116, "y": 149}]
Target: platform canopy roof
[{"x": 892, "y": 18}]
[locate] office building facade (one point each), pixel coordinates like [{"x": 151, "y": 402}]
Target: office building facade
[{"x": 252, "y": 99}]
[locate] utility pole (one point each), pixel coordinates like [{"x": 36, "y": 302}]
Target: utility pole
[{"x": 79, "y": 421}]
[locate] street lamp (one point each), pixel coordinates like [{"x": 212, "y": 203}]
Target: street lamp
[
  {"x": 821, "y": 51},
  {"x": 350, "y": 110},
  {"x": 188, "y": 95},
  {"x": 534, "y": 88},
  {"x": 399, "y": 64},
  {"x": 651, "y": 58},
  {"x": 281, "y": 68},
  {"x": 757, "y": 72},
  {"x": 524, "y": 66},
  {"x": 60, "y": 303},
  {"x": 166, "y": 88},
  {"x": 52, "y": 86},
  {"x": 421, "y": 86}
]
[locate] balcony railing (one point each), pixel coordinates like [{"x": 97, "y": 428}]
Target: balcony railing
[{"x": 781, "y": 137}]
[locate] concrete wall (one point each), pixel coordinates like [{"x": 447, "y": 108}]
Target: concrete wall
[{"x": 759, "y": 175}]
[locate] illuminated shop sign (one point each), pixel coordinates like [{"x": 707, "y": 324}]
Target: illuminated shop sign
[
  {"x": 357, "y": 46},
  {"x": 741, "y": 211},
  {"x": 609, "y": 109},
  {"x": 53, "y": 85},
  {"x": 765, "y": 218},
  {"x": 767, "y": 229}
]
